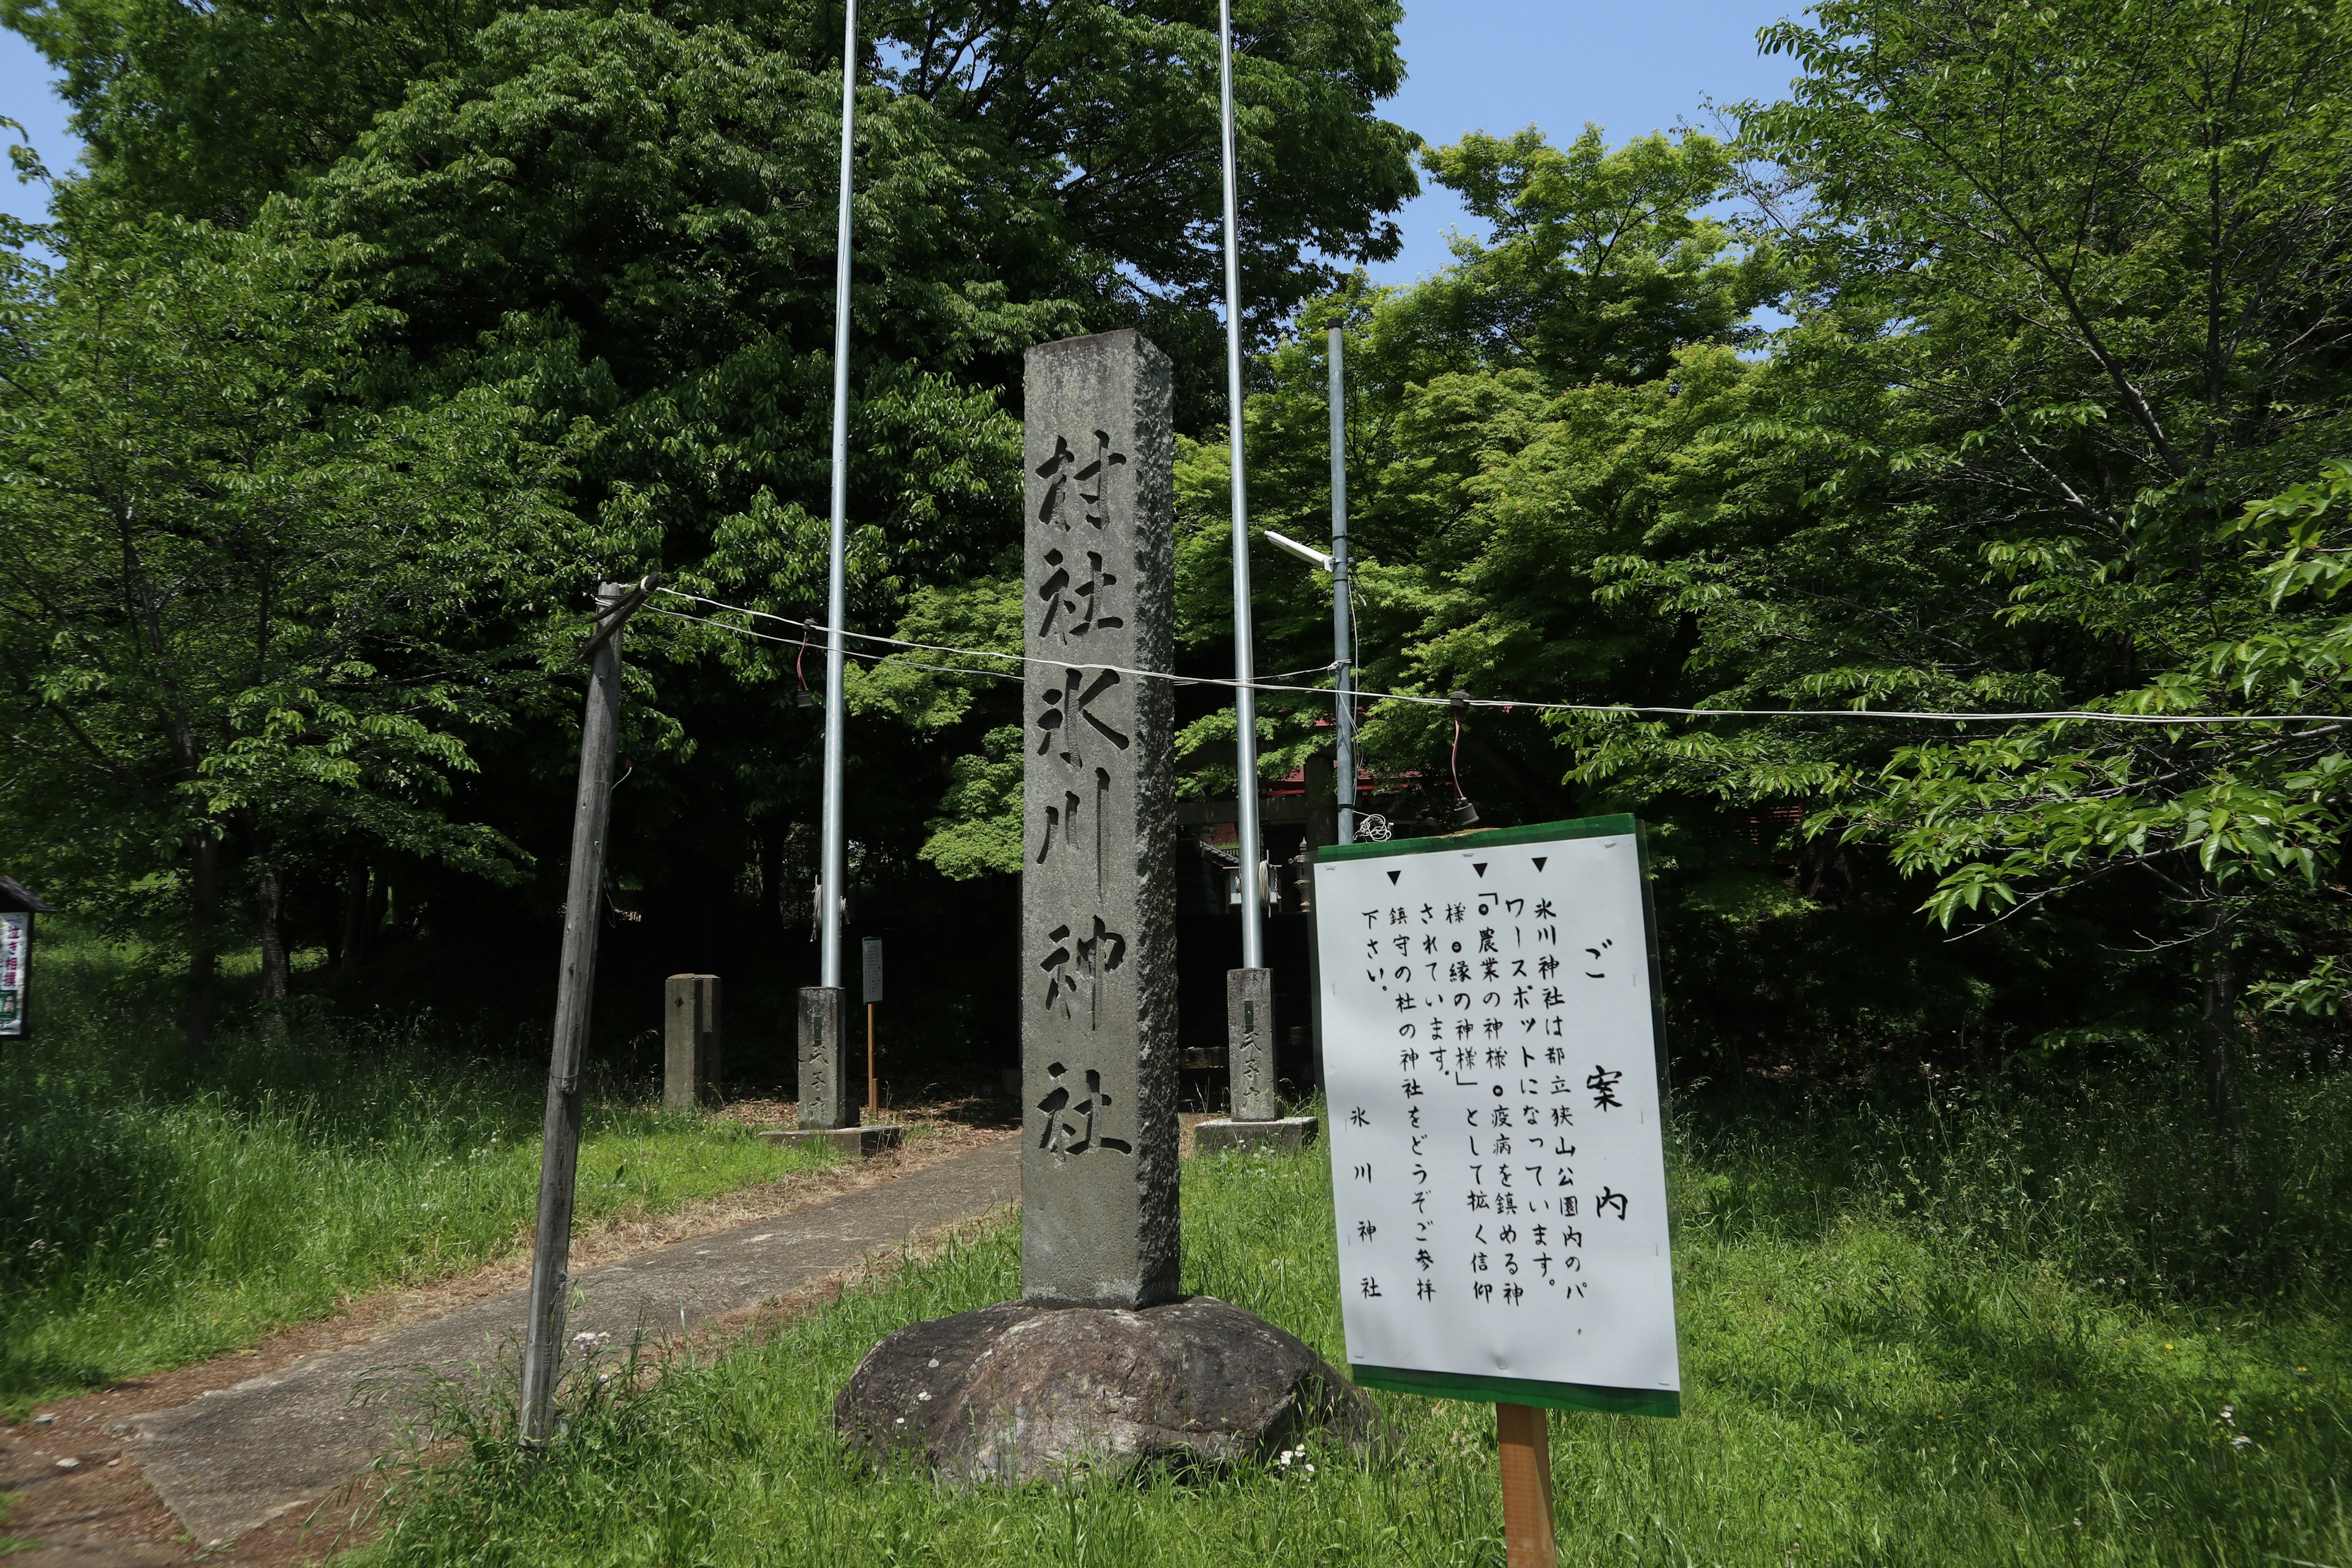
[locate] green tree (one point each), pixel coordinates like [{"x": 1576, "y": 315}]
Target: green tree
[
  {"x": 2069, "y": 308},
  {"x": 2240, "y": 826},
  {"x": 237, "y": 608},
  {"x": 1511, "y": 421},
  {"x": 625, "y": 212}
]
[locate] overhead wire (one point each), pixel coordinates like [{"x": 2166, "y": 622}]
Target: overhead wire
[{"x": 1507, "y": 704}]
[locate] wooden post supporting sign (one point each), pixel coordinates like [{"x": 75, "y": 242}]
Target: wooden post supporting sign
[
  {"x": 1524, "y": 1436},
  {"x": 1497, "y": 1132}
]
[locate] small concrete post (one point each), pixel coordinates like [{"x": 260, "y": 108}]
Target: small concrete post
[
  {"x": 1249, "y": 1036},
  {"x": 691, "y": 1041},
  {"x": 1099, "y": 1222},
  {"x": 825, "y": 1101}
]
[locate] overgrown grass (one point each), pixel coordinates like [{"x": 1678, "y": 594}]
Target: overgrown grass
[
  {"x": 152, "y": 1214},
  {"x": 1910, "y": 1337}
]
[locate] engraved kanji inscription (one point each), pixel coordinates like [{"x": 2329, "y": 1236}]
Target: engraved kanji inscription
[
  {"x": 1059, "y": 729},
  {"x": 1076, "y": 593},
  {"x": 1071, "y": 1124},
  {"x": 1087, "y": 478}
]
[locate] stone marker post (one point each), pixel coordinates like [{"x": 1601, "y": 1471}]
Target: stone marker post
[
  {"x": 1101, "y": 1365},
  {"x": 1249, "y": 1035},
  {"x": 691, "y": 1041},
  {"x": 823, "y": 1102},
  {"x": 1098, "y": 1223}
]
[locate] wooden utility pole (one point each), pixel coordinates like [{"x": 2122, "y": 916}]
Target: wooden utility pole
[
  {"x": 558, "y": 1156},
  {"x": 1524, "y": 1436}
]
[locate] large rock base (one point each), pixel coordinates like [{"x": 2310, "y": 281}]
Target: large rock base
[{"x": 1019, "y": 1393}]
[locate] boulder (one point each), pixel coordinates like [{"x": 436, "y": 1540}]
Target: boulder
[{"x": 1019, "y": 1393}]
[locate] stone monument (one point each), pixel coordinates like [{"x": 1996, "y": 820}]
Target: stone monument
[
  {"x": 691, "y": 1041},
  {"x": 1099, "y": 876},
  {"x": 826, "y": 1104},
  {"x": 1102, "y": 1361},
  {"x": 829, "y": 1111},
  {"x": 1256, "y": 1121}
]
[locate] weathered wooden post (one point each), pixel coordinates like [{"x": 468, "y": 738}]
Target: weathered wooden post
[
  {"x": 691, "y": 1041},
  {"x": 1523, "y": 1440},
  {"x": 559, "y": 1157}
]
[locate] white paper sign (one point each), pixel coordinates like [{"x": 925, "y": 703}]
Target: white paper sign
[
  {"x": 14, "y": 930},
  {"x": 1498, "y": 1161}
]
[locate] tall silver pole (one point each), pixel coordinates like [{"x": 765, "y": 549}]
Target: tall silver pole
[
  {"x": 1245, "y": 663},
  {"x": 829, "y": 871},
  {"x": 1343, "y": 669}
]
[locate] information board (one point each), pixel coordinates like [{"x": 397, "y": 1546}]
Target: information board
[
  {"x": 15, "y": 941},
  {"x": 1498, "y": 1158}
]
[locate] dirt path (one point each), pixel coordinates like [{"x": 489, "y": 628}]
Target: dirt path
[{"x": 224, "y": 1459}]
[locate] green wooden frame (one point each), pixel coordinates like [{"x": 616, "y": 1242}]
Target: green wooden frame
[{"x": 1520, "y": 1390}]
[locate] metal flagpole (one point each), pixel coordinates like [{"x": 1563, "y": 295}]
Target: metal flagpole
[
  {"x": 1245, "y": 663},
  {"x": 1343, "y": 669},
  {"x": 829, "y": 871}
]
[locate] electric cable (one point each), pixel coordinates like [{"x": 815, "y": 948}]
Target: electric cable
[{"x": 1507, "y": 704}]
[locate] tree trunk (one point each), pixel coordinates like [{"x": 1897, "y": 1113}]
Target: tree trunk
[
  {"x": 270, "y": 901},
  {"x": 355, "y": 918},
  {"x": 2218, "y": 1031},
  {"x": 204, "y": 964}
]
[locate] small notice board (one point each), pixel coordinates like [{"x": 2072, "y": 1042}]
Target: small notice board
[
  {"x": 15, "y": 944},
  {"x": 1491, "y": 1053}
]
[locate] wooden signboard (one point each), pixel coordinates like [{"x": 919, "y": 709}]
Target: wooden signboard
[{"x": 1491, "y": 1054}]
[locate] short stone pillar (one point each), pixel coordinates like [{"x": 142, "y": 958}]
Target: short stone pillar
[
  {"x": 830, "y": 1113},
  {"x": 1256, "y": 1121},
  {"x": 825, "y": 1100},
  {"x": 1098, "y": 1223},
  {"x": 1249, "y": 1043},
  {"x": 691, "y": 1041}
]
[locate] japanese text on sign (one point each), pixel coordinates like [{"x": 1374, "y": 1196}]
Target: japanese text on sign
[{"x": 1491, "y": 1057}]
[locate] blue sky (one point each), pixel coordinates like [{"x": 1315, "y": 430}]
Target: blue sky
[
  {"x": 25, "y": 97},
  {"x": 1502, "y": 65},
  {"x": 1473, "y": 65}
]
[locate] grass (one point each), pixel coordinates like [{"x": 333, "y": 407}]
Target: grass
[
  {"x": 151, "y": 1214},
  {"x": 1965, "y": 1330}
]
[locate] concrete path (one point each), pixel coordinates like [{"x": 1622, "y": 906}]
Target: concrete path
[{"x": 236, "y": 1458}]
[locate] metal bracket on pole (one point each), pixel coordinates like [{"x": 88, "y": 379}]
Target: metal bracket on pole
[{"x": 611, "y": 618}]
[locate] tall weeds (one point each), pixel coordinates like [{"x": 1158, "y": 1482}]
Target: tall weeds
[
  {"x": 1915, "y": 1332},
  {"x": 153, "y": 1212}
]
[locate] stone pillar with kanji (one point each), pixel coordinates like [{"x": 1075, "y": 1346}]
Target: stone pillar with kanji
[
  {"x": 1101, "y": 1366},
  {"x": 1098, "y": 1217}
]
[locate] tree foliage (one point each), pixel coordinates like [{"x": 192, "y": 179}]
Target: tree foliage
[{"x": 1998, "y": 369}]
